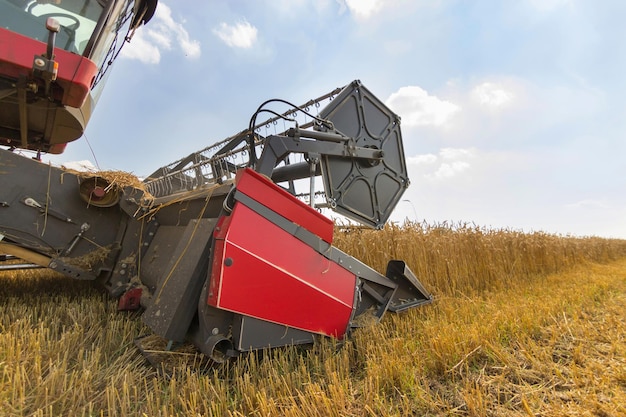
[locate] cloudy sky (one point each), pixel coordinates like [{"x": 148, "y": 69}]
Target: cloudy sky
[{"x": 513, "y": 112}]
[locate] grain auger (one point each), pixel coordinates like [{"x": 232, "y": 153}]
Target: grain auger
[{"x": 228, "y": 248}]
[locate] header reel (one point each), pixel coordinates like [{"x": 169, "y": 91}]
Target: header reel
[{"x": 354, "y": 143}]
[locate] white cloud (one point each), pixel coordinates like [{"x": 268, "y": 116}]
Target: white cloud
[
  {"x": 453, "y": 161},
  {"x": 241, "y": 35},
  {"x": 515, "y": 190},
  {"x": 417, "y": 108},
  {"x": 448, "y": 163},
  {"x": 422, "y": 159},
  {"x": 470, "y": 185},
  {"x": 162, "y": 33},
  {"x": 456, "y": 153},
  {"x": 497, "y": 110},
  {"x": 450, "y": 169},
  {"x": 363, "y": 9},
  {"x": 492, "y": 95},
  {"x": 167, "y": 27},
  {"x": 142, "y": 49}
]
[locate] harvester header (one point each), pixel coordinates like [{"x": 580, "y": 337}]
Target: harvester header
[{"x": 228, "y": 248}]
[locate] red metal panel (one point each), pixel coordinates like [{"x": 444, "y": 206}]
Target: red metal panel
[
  {"x": 130, "y": 300},
  {"x": 75, "y": 76},
  {"x": 262, "y": 271},
  {"x": 275, "y": 198}
]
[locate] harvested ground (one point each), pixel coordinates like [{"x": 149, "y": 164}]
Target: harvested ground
[{"x": 528, "y": 344}]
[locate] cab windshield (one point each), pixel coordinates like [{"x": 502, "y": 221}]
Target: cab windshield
[{"x": 78, "y": 19}]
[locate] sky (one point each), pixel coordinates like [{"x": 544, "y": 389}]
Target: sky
[{"x": 513, "y": 112}]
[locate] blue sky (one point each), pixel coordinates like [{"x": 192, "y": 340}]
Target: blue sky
[{"x": 513, "y": 112}]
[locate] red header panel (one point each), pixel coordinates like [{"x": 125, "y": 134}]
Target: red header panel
[
  {"x": 262, "y": 271},
  {"x": 263, "y": 190}
]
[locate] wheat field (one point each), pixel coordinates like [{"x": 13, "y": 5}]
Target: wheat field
[{"x": 523, "y": 324}]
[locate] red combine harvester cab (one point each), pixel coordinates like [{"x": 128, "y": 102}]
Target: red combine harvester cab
[{"x": 53, "y": 57}]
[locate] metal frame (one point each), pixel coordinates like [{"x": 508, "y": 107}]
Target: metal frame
[{"x": 213, "y": 249}]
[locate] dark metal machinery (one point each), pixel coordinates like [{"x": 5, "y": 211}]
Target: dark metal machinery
[{"x": 224, "y": 248}]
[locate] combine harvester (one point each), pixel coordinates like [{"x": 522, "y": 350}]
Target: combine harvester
[{"x": 218, "y": 248}]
